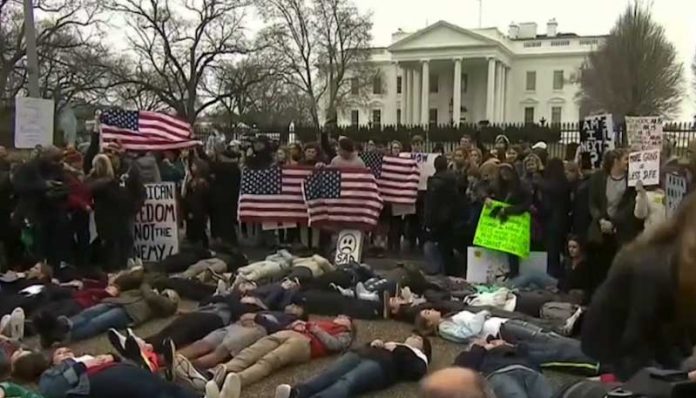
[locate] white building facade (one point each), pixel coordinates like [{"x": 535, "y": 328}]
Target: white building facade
[{"x": 447, "y": 74}]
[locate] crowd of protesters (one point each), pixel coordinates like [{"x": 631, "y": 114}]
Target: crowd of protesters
[{"x": 252, "y": 318}]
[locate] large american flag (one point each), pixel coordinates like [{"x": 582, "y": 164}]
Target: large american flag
[
  {"x": 346, "y": 197},
  {"x": 397, "y": 177},
  {"x": 273, "y": 195},
  {"x": 145, "y": 131}
]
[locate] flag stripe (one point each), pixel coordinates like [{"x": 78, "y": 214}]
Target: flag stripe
[
  {"x": 285, "y": 205},
  {"x": 398, "y": 181},
  {"x": 143, "y": 130}
]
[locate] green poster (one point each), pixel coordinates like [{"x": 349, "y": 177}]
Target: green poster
[{"x": 511, "y": 236}]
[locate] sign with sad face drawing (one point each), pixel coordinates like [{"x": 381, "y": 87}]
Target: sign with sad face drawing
[{"x": 349, "y": 246}]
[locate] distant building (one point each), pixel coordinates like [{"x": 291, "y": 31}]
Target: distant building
[{"x": 471, "y": 75}]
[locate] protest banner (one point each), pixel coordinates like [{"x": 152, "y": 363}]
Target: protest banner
[
  {"x": 33, "y": 122},
  {"x": 597, "y": 137},
  {"x": 349, "y": 247},
  {"x": 675, "y": 189},
  {"x": 644, "y": 166},
  {"x": 155, "y": 232},
  {"x": 511, "y": 236},
  {"x": 644, "y": 133}
]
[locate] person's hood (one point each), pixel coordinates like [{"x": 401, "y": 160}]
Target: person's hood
[
  {"x": 502, "y": 138},
  {"x": 540, "y": 145}
]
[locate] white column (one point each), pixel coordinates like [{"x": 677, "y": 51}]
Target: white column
[
  {"x": 457, "y": 94},
  {"x": 490, "y": 90},
  {"x": 505, "y": 94},
  {"x": 499, "y": 92},
  {"x": 417, "y": 93},
  {"x": 400, "y": 71},
  {"x": 406, "y": 94},
  {"x": 425, "y": 103}
]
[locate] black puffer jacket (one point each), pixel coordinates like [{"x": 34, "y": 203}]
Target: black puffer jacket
[{"x": 442, "y": 202}]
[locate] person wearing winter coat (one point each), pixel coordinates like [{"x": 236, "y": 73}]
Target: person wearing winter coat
[
  {"x": 373, "y": 367},
  {"x": 612, "y": 206},
  {"x": 643, "y": 312},
  {"x": 225, "y": 180},
  {"x": 555, "y": 210},
  {"x": 148, "y": 167},
  {"x": 115, "y": 208},
  {"x": 196, "y": 201},
  {"x": 261, "y": 154},
  {"x": 443, "y": 208}
]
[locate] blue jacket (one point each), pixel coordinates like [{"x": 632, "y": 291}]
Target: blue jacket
[
  {"x": 274, "y": 321},
  {"x": 69, "y": 378}
]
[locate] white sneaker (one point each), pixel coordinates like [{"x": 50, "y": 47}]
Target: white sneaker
[
  {"x": 221, "y": 288},
  {"x": 212, "y": 390},
  {"x": 283, "y": 391},
  {"x": 130, "y": 264},
  {"x": 232, "y": 387},
  {"x": 16, "y": 325},
  {"x": 4, "y": 323}
]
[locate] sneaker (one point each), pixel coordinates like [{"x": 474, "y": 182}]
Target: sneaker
[
  {"x": 285, "y": 391},
  {"x": 4, "y": 323},
  {"x": 169, "y": 354},
  {"x": 134, "y": 353},
  {"x": 186, "y": 373},
  {"x": 219, "y": 374},
  {"x": 118, "y": 341},
  {"x": 221, "y": 288},
  {"x": 232, "y": 387},
  {"x": 130, "y": 264},
  {"x": 16, "y": 325},
  {"x": 212, "y": 390}
]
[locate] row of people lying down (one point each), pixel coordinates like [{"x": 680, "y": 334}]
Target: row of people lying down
[{"x": 511, "y": 353}]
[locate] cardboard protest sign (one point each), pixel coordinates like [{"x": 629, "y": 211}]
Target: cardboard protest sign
[
  {"x": 675, "y": 189},
  {"x": 426, "y": 165},
  {"x": 489, "y": 266},
  {"x": 511, "y": 236},
  {"x": 597, "y": 137},
  {"x": 349, "y": 246},
  {"x": 644, "y": 133},
  {"x": 155, "y": 232},
  {"x": 33, "y": 122},
  {"x": 644, "y": 166}
]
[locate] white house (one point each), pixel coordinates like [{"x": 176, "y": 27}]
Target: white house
[{"x": 471, "y": 75}]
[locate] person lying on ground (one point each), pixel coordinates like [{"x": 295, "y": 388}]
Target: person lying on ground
[
  {"x": 302, "y": 342},
  {"x": 373, "y": 367},
  {"x": 103, "y": 376},
  {"x": 461, "y": 327},
  {"x": 131, "y": 308},
  {"x": 215, "y": 313},
  {"x": 277, "y": 295},
  {"x": 345, "y": 275},
  {"x": 225, "y": 343},
  {"x": 275, "y": 266},
  {"x": 332, "y": 303},
  {"x": 40, "y": 274},
  {"x": 456, "y": 383},
  {"x": 509, "y": 371},
  {"x": 224, "y": 259}
]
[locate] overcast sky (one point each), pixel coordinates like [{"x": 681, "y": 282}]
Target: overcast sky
[{"x": 586, "y": 17}]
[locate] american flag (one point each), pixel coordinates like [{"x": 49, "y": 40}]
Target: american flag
[
  {"x": 145, "y": 131},
  {"x": 397, "y": 177},
  {"x": 347, "y": 197},
  {"x": 273, "y": 195}
]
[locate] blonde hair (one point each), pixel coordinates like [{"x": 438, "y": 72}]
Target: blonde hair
[{"x": 101, "y": 167}]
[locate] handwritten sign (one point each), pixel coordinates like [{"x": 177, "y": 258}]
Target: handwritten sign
[
  {"x": 490, "y": 267},
  {"x": 597, "y": 137},
  {"x": 644, "y": 132},
  {"x": 155, "y": 231},
  {"x": 644, "y": 166},
  {"x": 33, "y": 122},
  {"x": 349, "y": 246},
  {"x": 426, "y": 166},
  {"x": 511, "y": 236},
  {"x": 675, "y": 189}
]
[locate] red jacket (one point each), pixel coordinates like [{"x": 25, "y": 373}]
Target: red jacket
[
  {"x": 79, "y": 196},
  {"x": 90, "y": 297},
  {"x": 326, "y": 337}
]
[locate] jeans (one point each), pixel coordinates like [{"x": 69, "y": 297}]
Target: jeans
[
  {"x": 97, "y": 320},
  {"x": 348, "y": 376},
  {"x": 534, "y": 278},
  {"x": 520, "y": 382}
]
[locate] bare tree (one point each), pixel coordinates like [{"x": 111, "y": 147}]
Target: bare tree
[
  {"x": 635, "y": 72},
  {"x": 178, "y": 44},
  {"x": 67, "y": 29},
  {"x": 320, "y": 46}
]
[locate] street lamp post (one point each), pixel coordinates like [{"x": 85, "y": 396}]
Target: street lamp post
[{"x": 32, "y": 56}]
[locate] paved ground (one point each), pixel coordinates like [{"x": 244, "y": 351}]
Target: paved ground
[{"x": 443, "y": 352}]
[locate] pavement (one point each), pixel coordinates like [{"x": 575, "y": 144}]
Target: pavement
[{"x": 387, "y": 330}]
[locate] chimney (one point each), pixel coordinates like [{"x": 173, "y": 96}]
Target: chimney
[
  {"x": 528, "y": 30},
  {"x": 513, "y": 30},
  {"x": 552, "y": 28},
  {"x": 398, "y": 35}
]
